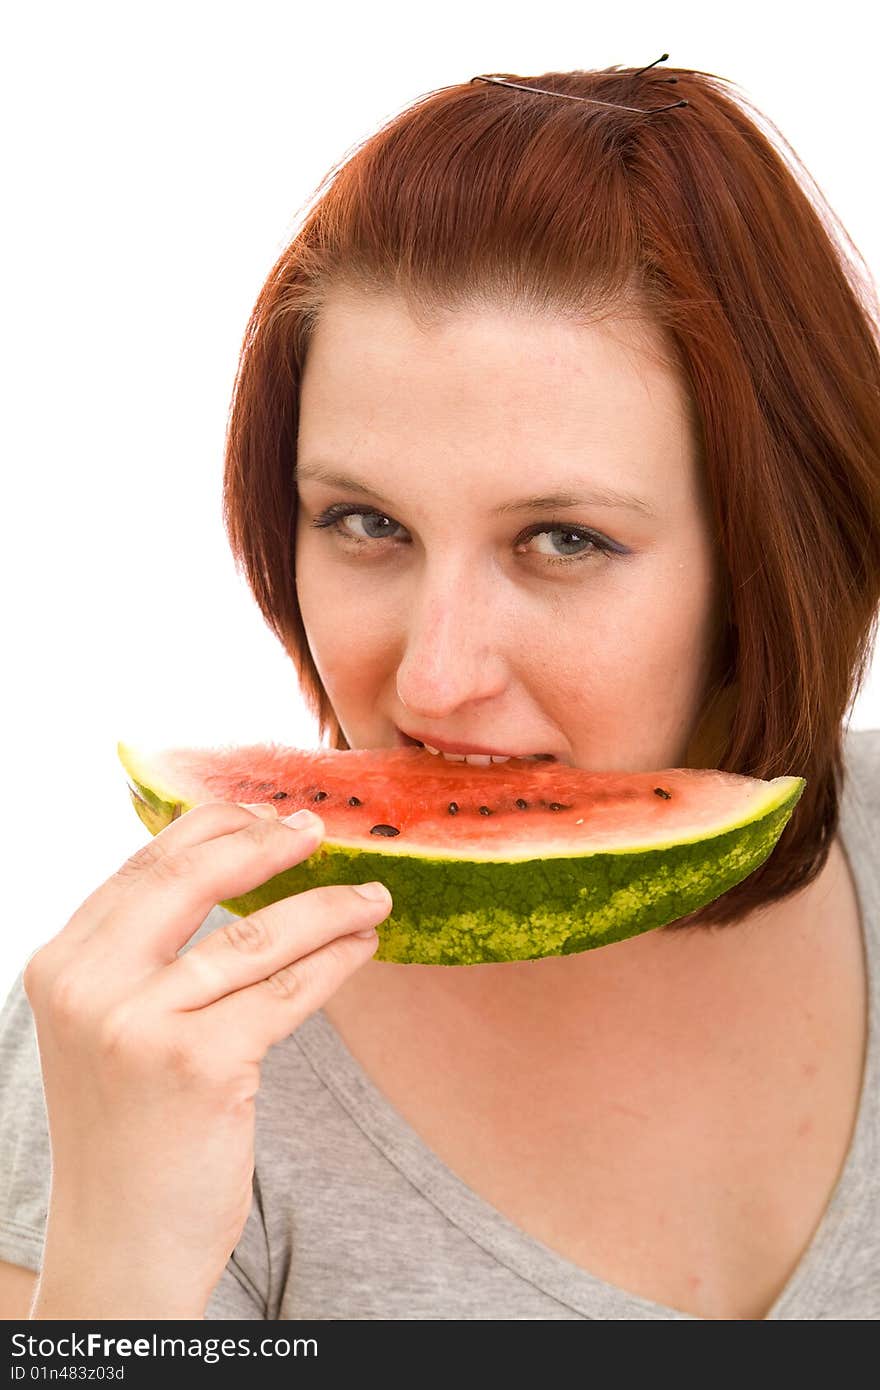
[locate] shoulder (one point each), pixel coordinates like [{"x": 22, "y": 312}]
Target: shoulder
[
  {"x": 863, "y": 743},
  {"x": 18, "y": 1037},
  {"x": 861, "y": 749}
]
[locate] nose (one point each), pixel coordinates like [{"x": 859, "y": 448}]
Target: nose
[{"x": 452, "y": 655}]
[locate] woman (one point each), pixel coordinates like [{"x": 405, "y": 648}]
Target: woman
[{"x": 642, "y": 322}]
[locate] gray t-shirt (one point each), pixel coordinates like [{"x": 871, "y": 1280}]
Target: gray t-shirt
[{"x": 354, "y": 1217}]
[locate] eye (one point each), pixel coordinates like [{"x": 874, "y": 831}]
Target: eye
[{"x": 593, "y": 542}]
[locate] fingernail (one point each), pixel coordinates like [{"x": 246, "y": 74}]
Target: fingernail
[
  {"x": 261, "y": 808},
  {"x": 302, "y": 820},
  {"x": 374, "y": 891}
]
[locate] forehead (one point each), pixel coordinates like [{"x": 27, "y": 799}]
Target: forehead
[
  {"x": 379, "y": 385},
  {"x": 377, "y": 332}
]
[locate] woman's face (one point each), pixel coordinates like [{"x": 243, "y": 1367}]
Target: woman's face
[{"x": 464, "y": 616}]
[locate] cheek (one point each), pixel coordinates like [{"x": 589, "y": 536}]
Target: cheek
[
  {"x": 653, "y": 622},
  {"x": 349, "y": 634},
  {"x": 630, "y": 687}
]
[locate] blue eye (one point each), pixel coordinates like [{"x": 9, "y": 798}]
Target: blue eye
[{"x": 596, "y": 544}]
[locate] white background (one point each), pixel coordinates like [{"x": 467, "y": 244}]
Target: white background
[{"x": 156, "y": 161}]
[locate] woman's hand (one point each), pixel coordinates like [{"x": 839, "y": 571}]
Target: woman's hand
[{"x": 151, "y": 1061}]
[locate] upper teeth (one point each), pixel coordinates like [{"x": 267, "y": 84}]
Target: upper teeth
[{"x": 476, "y": 759}]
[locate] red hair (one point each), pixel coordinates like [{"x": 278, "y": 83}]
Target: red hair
[{"x": 484, "y": 195}]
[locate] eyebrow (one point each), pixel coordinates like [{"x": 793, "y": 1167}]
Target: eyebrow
[{"x": 593, "y": 496}]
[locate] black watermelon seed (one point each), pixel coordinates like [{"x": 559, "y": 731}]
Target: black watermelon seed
[
  {"x": 453, "y": 808},
  {"x": 384, "y": 830},
  {"x": 354, "y": 801},
  {"x": 558, "y": 806},
  {"x": 484, "y": 811},
  {"x": 279, "y": 796},
  {"x": 521, "y": 804},
  {"x": 658, "y": 791},
  {"x": 320, "y": 796}
]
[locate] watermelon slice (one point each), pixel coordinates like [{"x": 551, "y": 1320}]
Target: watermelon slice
[{"x": 514, "y": 861}]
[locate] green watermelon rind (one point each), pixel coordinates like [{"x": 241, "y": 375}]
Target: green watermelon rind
[{"x": 469, "y": 911}]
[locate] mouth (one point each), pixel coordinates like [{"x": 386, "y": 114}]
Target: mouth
[{"x": 483, "y": 757}]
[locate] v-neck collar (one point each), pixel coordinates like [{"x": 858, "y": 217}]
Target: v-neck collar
[{"x": 808, "y": 1287}]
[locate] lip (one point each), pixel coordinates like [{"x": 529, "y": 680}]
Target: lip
[{"x": 408, "y": 740}]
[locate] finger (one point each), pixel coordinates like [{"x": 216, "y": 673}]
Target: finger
[
  {"x": 177, "y": 892},
  {"x": 249, "y": 949},
  {"x": 265, "y": 1012},
  {"x": 203, "y": 824}
]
